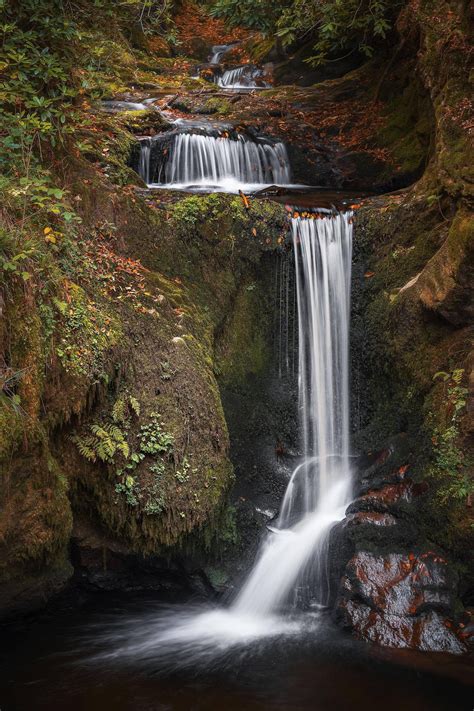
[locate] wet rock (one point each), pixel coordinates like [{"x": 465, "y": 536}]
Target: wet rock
[
  {"x": 400, "y": 600},
  {"x": 466, "y": 627},
  {"x": 446, "y": 283},
  {"x": 382, "y": 530},
  {"x": 374, "y": 518},
  {"x": 389, "y": 497},
  {"x": 388, "y": 465}
]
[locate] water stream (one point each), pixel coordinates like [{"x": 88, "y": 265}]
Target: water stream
[
  {"x": 293, "y": 556},
  {"x": 213, "y": 162},
  {"x": 244, "y": 77},
  {"x": 320, "y": 487}
]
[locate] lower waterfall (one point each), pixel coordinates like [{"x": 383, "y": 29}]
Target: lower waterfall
[
  {"x": 320, "y": 488},
  {"x": 292, "y": 563}
]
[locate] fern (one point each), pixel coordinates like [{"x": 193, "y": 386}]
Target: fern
[
  {"x": 118, "y": 411},
  {"x": 85, "y": 446},
  {"x": 104, "y": 443},
  {"x": 135, "y": 405}
]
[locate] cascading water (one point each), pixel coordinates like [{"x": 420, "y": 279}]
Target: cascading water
[
  {"x": 218, "y": 52},
  {"x": 231, "y": 77},
  {"x": 144, "y": 162},
  {"x": 242, "y": 78},
  {"x": 221, "y": 163},
  {"x": 293, "y": 556},
  {"x": 320, "y": 487}
]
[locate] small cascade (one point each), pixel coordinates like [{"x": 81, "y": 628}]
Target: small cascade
[
  {"x": 231, "y": 77},
  {"x": 218, "y": 51},
  {"x": 144, "y": 160},
  {"x": 242, "y": 78},
  {"x": 114, "y": 106},
  {"x": 192, "y": 160}
]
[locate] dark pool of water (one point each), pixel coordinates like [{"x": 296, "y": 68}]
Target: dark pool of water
[{"x": 49, "y": 663}]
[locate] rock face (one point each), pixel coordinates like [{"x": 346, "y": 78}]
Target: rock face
[
  {"x": 400, "y": 600},
  {"x": 395, "y": 589}
]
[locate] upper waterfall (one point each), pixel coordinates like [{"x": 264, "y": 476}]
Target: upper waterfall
[
  {"x": 218, "y": 52},
  {"x": 192, "y": 160}
]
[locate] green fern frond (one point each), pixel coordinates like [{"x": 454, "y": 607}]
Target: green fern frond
[
  {"x": 135, "y": 405},
  {"x": 118, "y": 411}
]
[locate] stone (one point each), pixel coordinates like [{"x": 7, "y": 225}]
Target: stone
[{"x": 400, "y": 600}]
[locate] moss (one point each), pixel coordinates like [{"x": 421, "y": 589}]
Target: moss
[
  {"x": 408, "y": 333},
  {"x": 217, "y": 105},
  {"x": 86, "y": 332},
  {"x": 243, "y": 346},
  {"x": 408, "y": 128},
  {"x": 37, "y": 540}
]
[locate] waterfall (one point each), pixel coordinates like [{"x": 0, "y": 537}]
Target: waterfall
[
  {"x": 231, "y": 77},
  {"x": 194, "y": 160},
  {"x": 293, "y": 561},
  {"x": 218, "y": 52},
  {"x": 241, "y": 78},
  {"x": 144, "y": 161},
  {"x": 320, "y": 487}
]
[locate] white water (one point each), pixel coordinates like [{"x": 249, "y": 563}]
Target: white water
[
  {"x": 231, "y": 77},
  {"x": 218, "y": 52},
  {"x": 240, "y": 78},
  {"x": 144, "y": 164},
  {"x": 318, "y": 492},
  {"x": 196, "y": 161},
  {"x": 320, "y": 488}
]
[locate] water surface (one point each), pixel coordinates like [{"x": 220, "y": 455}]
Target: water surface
[{"x": 79, "y": 659}]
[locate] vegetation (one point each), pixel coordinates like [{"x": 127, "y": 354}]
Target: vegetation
[
  {"x": 335, "y": 27},
  {"x": 451, "y": 464},
  {"x": 119, "y": 309}
]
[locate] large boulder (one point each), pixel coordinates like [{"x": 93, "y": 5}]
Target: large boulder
[{"x": 400, "y": 600}]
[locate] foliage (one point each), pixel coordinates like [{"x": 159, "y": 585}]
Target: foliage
[
  {"x": 9, "y": 398},
  {"x": 153, "y": 438},
  {"x": 450, "y": 467},
  {"x": 339, "y": 26},
  {"x": 122, "y": 406},
  {"x": 104, "y": 442},
  {"x": 256, "y": 14},
  {"x": 113, "y": 442},
  {"x": 87, "y": 331},
  {"x": 334, "y": 26}
]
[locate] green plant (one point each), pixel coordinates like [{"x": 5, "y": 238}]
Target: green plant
[
  {"x": 9, "y": 398},
  {"x": 182, "y": 474},
  {"x": 122, "y": 407},
  {"x": 104, "y": 442},
  {"x": 129, "y": 488},
  {"x": 335, "y": 26},
  {"x": 86, "y": 332},
  {"x": 153, "y": 438},
  {"x": 450, "y": 466},
  {"x": 155, "y": 502}
]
